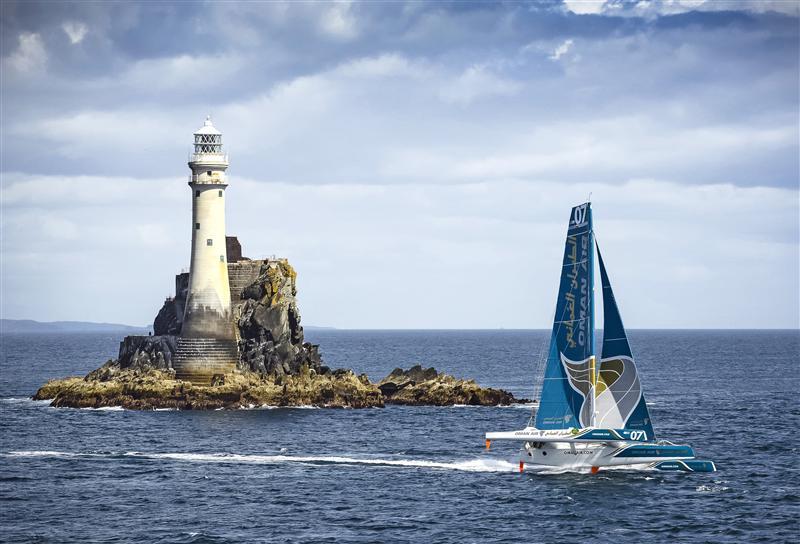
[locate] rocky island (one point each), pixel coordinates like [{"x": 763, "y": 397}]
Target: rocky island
[{"x": 276, "y": 367}]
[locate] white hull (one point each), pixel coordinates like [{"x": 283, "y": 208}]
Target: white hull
[
  {"x": 592, "y": 449},
  {"x": 577, "y": 456}
]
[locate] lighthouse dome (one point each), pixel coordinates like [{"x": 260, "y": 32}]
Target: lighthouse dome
[{"x": 208, "y": 127}]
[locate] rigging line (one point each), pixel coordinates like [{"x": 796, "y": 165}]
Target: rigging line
[
  {"x": 541, "y": 369},
  {"x": 572, "y": 320},
  {"x": 575, "y": 263}
]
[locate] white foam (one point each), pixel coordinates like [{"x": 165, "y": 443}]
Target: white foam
[
  {"x": 522, "y": 406},
  {"x": 26, "y": 400},
  {"x": 471, "y": 465},
  {"x": 272, "y": 407},
  {"x": 468, "y": 465},
  {"x": 711, "y": 488},
  {"x": 484, "y": 464},
  {"x": 48, "y": 453}
]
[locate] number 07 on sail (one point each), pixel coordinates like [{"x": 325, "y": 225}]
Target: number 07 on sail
[{"x": 592, "y": 412}]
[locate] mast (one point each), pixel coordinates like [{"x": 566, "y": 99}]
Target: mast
[{"x": 592, "y": 354}]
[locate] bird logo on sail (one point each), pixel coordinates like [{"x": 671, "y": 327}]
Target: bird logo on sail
[{"x": 617, "y": 390}]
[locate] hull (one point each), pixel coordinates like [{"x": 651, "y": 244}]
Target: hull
[{"x": 594, "y": 456}]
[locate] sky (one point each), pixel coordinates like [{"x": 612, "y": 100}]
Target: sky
[{"x": 415, "y": 162}]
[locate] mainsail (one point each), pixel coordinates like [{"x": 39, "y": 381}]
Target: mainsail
[
  {"x": 569, "y": 377},
  {"x": 619, "y": 400}
]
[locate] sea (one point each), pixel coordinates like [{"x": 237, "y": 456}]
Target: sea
[{"x": 402, "y": 474}]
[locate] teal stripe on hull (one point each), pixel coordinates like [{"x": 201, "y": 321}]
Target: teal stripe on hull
[
  {"x": 690, "y": 465},
  {"x": 656, "y": 451}
]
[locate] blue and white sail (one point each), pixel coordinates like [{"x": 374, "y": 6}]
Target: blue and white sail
[
  {"x": 591, "y": 413},
  {"x": 569, "y": 378},
  {"x": 619, "y": 401}
]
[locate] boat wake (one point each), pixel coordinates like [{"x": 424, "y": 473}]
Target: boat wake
[{"x": 467, "y": 465}]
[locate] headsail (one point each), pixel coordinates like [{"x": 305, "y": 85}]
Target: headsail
[
  {"x": 568, "y": 387},
  {"x": 619, "y": 401}
]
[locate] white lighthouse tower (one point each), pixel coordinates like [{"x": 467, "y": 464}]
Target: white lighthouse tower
[{"x": 207, "y": 343}]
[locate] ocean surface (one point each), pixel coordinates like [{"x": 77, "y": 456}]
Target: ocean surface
[{"x": 401, "y": 474}]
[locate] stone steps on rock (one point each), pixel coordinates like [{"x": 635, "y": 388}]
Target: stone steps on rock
[{"x": 198, "y": 360}]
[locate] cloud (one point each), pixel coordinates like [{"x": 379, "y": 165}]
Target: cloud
[
  {"x": 338, "y": 22},
  {"x": 477, "y": 82},
  {"x": 489, "y": 252},
  {"x": 561, "y": 50},
  {"x": 30, "y": 55},
  {"x": 75, "y": 31},
  {"x": 657, "y": 8},
  {"x": 59, "y": 229},
  {"x": 585, "y": 7},
  {"x": 377, "y": 143},
  {"x": 155, "y": 76}
]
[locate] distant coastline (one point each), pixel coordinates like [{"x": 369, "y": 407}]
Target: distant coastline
[
  {"x": 29, "y": 325},
  {"x": 32, "y": 326}
]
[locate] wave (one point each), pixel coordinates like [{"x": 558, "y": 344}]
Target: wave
[
  {"x": 48, "y": 453},
  {"x": 272, "y": 407},
  {"x": 25, "y": 400},
  {"x": 467, "y": 465},
  {"x": 518, "y": 406}
]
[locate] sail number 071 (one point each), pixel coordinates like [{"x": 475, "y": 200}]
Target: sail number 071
[{"x": 640, "y": 436}]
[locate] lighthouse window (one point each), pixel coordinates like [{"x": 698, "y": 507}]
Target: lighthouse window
[
  {"x": 197, "y": 194},
  {"x": 222, "y": 258},
  {"x": 220, "y": 194},
  {"x": 209, "y": 242},
  {"x": 208, "y": 173},
  {"x": 197, "y": 226}
]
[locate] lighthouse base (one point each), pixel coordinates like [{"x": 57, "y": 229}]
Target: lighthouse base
[{"x": 199, "y": 360}]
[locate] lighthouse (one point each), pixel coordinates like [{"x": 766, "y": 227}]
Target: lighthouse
[{"x": 207, "y": 344}]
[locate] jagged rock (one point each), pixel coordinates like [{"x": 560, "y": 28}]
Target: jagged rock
[
  {"x": 147, "y": 352},
  {"x": 419, "y": 386},
  {"x": 147, "y": 389},
  {"x": 415, "y": 374},
  {"x": 153, "y": 389},
  {"x": 271, "y": 336},
  {"x": 167, "y": 321}
]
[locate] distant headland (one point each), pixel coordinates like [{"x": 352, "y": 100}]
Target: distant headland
[{"x": 29, "y": 326}]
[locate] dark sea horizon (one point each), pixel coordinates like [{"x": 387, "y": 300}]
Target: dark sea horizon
[{"x": 401, "y": 474}]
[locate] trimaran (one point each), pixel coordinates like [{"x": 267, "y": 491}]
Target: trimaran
[{"x": 592, "y": 414}]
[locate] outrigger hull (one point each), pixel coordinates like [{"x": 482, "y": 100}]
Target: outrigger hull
[
  {"x": 577, "y": 456},
  {"x": 594, "y": 449}
]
